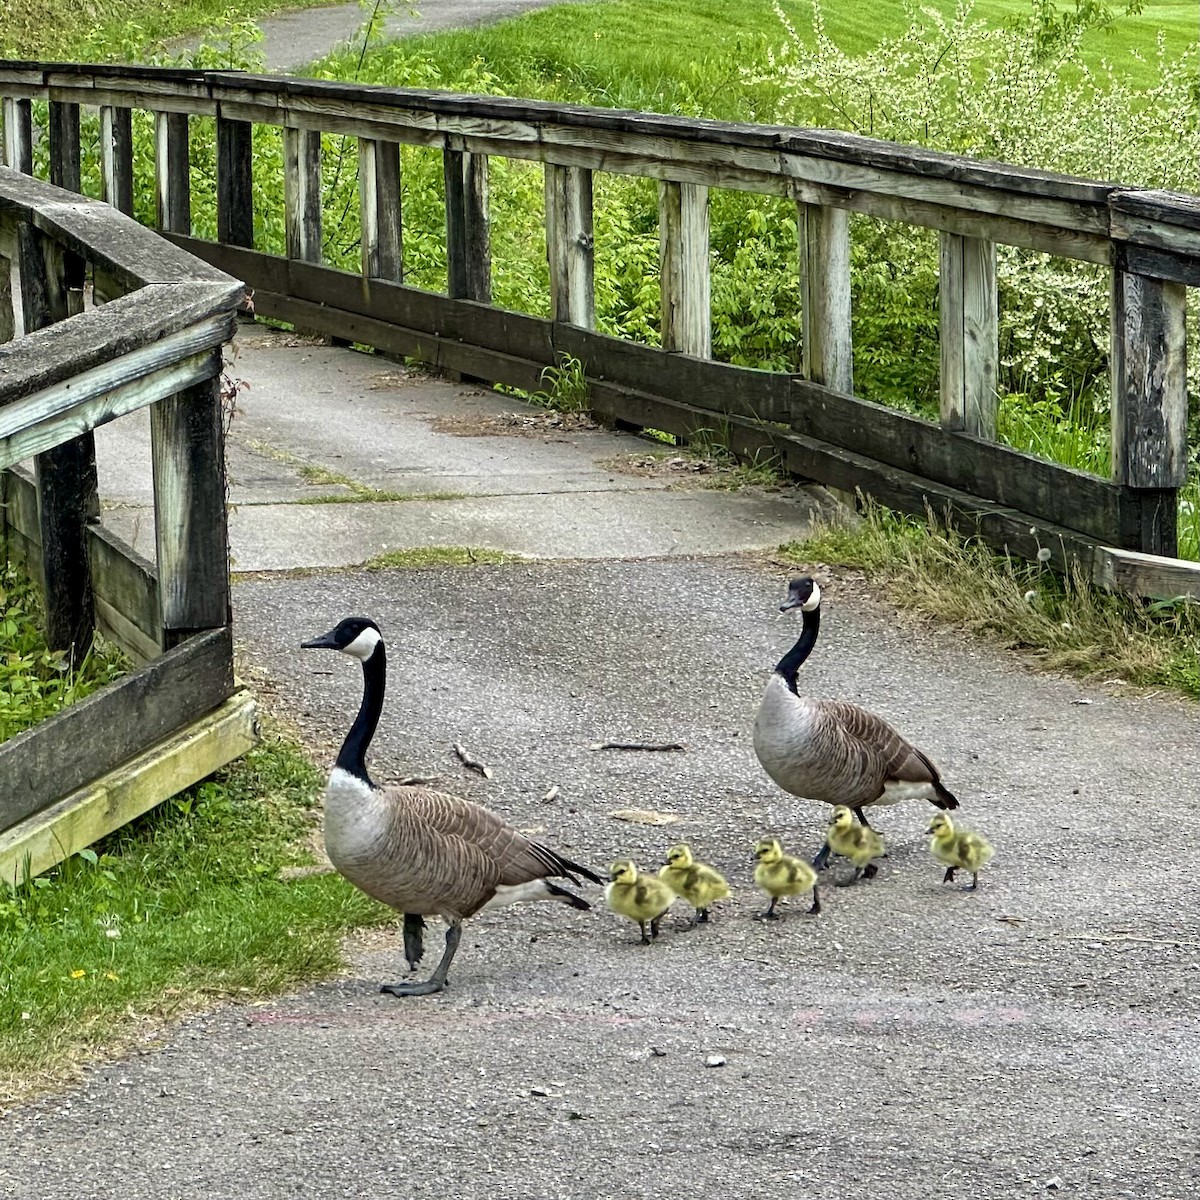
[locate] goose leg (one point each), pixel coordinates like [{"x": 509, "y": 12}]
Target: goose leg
[
  {"x": 870, "y": 871},
  {"x": 816, "y": 904},
  {"x": 771, "y": 914},
  {"x": 702, "y": 916},
  {"x": 862, "y": 817},
  {"x": 437, "y": 981},
  {"x": 642, "y": 927},
  {"x": 414, "y": 942},
  {"x": 654, "y": 924},
  {"x": 974, "y": 882},
  {"x": 949, "y": 875},
  {"x": 822, "y": 858}
]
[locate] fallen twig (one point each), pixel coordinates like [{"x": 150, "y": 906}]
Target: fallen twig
[
  {"x": 1128, "y": 937},
  {"x": 419, "y": 780},
  {"x": 550, "y": 795},
  {"x": 473, "y": 763},
  {"x": 637, "y": 746}
]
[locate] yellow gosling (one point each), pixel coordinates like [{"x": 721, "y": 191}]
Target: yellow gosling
[
  {"x": 641, "y": 898},
  {"x": 696, "y": 882},
  {"x": 960, "y": 849},
  {"x": 780, "y": 874},
  {"x": 859, "y": 843}
]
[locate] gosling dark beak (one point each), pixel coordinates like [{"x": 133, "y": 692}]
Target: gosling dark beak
[
  {"x": 930, "y": 829},
  {"x": 324, "y": 642}
]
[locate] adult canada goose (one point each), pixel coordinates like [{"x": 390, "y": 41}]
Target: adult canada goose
[
  {"x": 423, "y": 852},
  {"x": 832, "y": 750}
]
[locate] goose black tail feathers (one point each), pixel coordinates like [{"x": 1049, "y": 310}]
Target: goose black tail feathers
[
  {"x": 566, "y": 897},
  {"x": 945, "y": 799}
]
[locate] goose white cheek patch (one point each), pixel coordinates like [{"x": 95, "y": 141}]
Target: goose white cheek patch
[
  {"x": 364, "y": 645},
  {"x": 813, "y": 600}
]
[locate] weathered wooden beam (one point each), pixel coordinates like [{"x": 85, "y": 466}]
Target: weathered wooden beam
[
  {"x": 64, "y": 146},
  {"x": 114, "y": 799},
  {"x": 116, "y": 157},
  {"x": 379, "y": 201},
  {"x": 1149, "y": 404},
  {"x": 65, "y": 473},
  {"x": 18, "y": 134},
  {"x": 468, "y": 230},
  {"x": 302, "y": 193},
  {"x": 172, "y": 173},
  {"x": 187, "y": 442},
  {"x": 827, "y": 351},
  {"x": 8, "y": 314},
  {"x": 570, "y": 245},
  {"x": 684, "y": 259},
  {"x": 970, "y": 335},
  {"x": 68, "y": 750},
  {"x": 235, "y": 182},
  {"x": 1151, "y": 575}
]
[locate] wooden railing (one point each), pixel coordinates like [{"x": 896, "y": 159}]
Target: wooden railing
[
  {"x": 106, "y": 318},
  {"x": 811, "y": 421}
]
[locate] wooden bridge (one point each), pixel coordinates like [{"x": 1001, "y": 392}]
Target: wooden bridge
[{"x": 164, "y": 303}]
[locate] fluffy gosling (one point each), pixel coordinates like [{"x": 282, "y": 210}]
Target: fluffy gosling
[
  {"x": 780, "y": 874},
  {"x": 959, "y": 848},
  {"x": 859, "y": 843},
  {"x": 698, "y": 883},
  {"x": 641, "y": 898}
]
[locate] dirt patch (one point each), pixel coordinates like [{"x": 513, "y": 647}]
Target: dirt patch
[{"x": 515, "y": 424}]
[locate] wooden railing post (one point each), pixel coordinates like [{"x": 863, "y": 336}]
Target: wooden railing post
[
  {"x": 18, "y": 134},
  {"x": 8, "y": 258},
  {"x": 116, "y": 157},
  {"x": 173, "y": 186},
  {"x": 468, "y": 235},
  {"x": 570, "y": 245},
  {"x": 684, "y": 268},
  {"x": 379, "y": 207},
  {"x": 64, "y": 145},
  {"x": 235, "y": 183},
  {"x": 1149, "y": 408},
  {"x": 187, "y": 443},
  {"x": 827, "y": 351},
  {"x": 970, "y": 338},
  {"x": 52, "y": 290},
  {"x": 302, "y": 193}
]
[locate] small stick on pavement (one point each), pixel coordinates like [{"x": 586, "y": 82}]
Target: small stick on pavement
[
  {"x": 637, "y": 746},
  {"x": 550, "y": 795},
  {"x": 1126, "y": 937},
  {"x": 473, "y": 763},
  {"x": 419, "y": 780}
]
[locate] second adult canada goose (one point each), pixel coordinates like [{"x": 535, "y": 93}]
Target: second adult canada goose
[
  {"x": 423, "y": 852},
  {"x": 832, "y": 750}
]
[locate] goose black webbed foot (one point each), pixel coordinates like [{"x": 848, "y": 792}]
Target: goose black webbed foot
[
  {"x": 870, "y": 871},
  {"x": 949, "y": 875},
  {"x": 822, "y": 859},
  {"x": 426, "y": 987},
  {"x": 702, "y": 917},
  {"x": 974, "y": 884}
]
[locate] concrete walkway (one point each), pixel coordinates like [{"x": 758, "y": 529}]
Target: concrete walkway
[{"x": 1041, "y": 1037}]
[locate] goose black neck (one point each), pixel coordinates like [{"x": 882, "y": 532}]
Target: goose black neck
[
  {"x": 790, "y": 663},
  {"x": 353, "y": 755}
]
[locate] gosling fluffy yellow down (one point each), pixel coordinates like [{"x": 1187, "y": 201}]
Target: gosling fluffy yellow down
[
  {"x": 859, "y": 843},
  {"x": 698, "y": 883},
  {"x": 780, "y": 874},
  {"x": 959, "y": 849},
  {"x": 641, "y": 898}
]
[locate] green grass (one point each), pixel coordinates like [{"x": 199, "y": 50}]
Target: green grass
[
  {"x": 437, "y": 556},
  {"x": 1062, "y": 621},
  {"x": 180, "y": 907},
  {"x": 35, "y": 682}
]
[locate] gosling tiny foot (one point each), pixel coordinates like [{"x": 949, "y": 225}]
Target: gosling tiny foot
[
  {"x": 949, "y": 875},
  {"x": 702, "y": 917},
  {"x": 870, "y": 871},
  {"x": 973, "y": 885},
  {"x": 768, "y": 916},
  {"x": 645, "y": 940},
  {"x": 426, "y": 987}
]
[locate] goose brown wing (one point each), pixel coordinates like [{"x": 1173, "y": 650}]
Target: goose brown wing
[{"x": 872, "y": 740}]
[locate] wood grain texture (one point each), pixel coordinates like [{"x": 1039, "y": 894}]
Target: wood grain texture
[
  {"x": 116, "y": 157},
  {"x": 468, "y": 230},
  {"x": 74, "y": 747},
  {"x": 18, "y": 133},
  {"x": 570, "y": 245},
  {"x": 187, "y": 444},
  {"x": 116, "y": 797},
  {"x": 826, "y": 346},
  {"x": 302, "y": 193},
  {"x": 380, "y": 215},
  {"x": 64, "y": 145},
  {"x": 235, "y": 182},
  {"x": 969, "y": 335},
  {"x": 172, "y": 173},
  {"x": 683, "y": 241}
]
